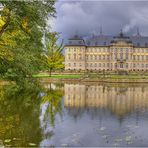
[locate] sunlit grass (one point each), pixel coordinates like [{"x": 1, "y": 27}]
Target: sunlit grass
[
  {"x": 57, "y": 76},
  {"x": 91, "y": 76}
]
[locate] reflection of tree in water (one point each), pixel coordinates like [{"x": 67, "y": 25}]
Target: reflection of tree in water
[
  {"x": 51, "y": 107},
  {"x": 53, "y": 101},
  {"x": 19, "y": 112}
]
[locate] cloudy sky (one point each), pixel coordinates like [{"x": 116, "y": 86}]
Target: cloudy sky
[{"x": 87, "y": 16}]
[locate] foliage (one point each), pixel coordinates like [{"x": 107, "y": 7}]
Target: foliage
[
  {"x": 19, "y": 109},
  {"x": 53, "y": 54},
  {"x": 53, "y": 99},
  {"x": 22, "y": 26}
]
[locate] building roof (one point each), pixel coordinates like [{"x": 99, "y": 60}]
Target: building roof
[{"x": 106, "y": 40}]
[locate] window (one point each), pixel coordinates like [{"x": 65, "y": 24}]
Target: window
[
  {"x": 138, "y": 44},
  {"x": 69, "y": 64},
  {"x": 115, "y": 65},
  {"x": 96, "y": 43},
  {"x": 147, "y": 57},
  {"x": 74, "y": 56},
  {"x": 95, "y": 57},
  {"x": 108, "y": 57},
  {"x": 146, "y": 44},
  {"x": 69, "y": 56},
  {"x": 91, "y": 57},
  {"x": 121, "y": 55},
  {"x": 87, "y": 57},
  {"x": 127, "y": 56},
  {"x": 74, "y": 64},
  {"x": 79, "y": 42},
  {"x": 95, "y": 64},
  {"x": 80, "y": 56},
  {"x": 121, "y": 65},
  {"x": 104, "y": 43},
  {"x": 126, "y": 65}
]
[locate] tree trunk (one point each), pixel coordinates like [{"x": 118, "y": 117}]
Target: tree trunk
[{"x": 50, "y": 72}]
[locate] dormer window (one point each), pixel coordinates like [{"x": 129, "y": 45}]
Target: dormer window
[
  {"x": 79, "y": 42},
  {"x": 104, "y": 43},
  {"x": 146, "y": 44},
  {"x": 138, "y": 44},
  {"x": 70, "y": 42},
  {"x": 96, "y": 43}
]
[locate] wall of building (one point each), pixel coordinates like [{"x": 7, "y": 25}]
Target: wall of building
[{"x": 119, "y": 56}]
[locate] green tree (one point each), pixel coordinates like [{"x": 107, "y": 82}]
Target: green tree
[
  {"x": 22, "y": 25},
  {"x": 53, "y": 52}
]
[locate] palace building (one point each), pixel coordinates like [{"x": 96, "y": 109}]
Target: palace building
[{"x": 109, "y": 53}]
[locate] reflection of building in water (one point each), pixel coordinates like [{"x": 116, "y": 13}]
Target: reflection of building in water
[{"x": 118, "y": 100}]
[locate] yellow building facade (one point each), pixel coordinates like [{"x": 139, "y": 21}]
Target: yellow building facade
[
  {"x": 109, "y": 53},
  {"x": 118, "y": 100}
]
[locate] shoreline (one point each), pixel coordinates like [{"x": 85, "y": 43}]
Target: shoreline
[
  {"x": 92, "y": 77},
  {"x": 91, "y": 80}
]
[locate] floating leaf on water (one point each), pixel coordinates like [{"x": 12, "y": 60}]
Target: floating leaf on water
[
  {"x": 115, "y": 144},
  {"x": 129, "y": 142},
  {"x": 129, "y": 126},
  {"x": 128, "y": 138},
  {"x": 64, "y": 145},
  {"x": 105, "y": 136},
  {"x": 136, "y": 126},
  {"x": 7, "y": 140},
  {"x": 32, "y": 144},
  {"x": 118, "y": 140},
  {"x": 102, "y": 128}
]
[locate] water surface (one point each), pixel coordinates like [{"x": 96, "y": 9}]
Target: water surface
[{"x": 88, "y": 114}]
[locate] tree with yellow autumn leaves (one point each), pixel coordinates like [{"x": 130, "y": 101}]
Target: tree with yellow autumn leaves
[{"x": 22, "y": 26}]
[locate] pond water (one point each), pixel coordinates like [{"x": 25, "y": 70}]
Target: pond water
[{"x": 88, "y": 114}]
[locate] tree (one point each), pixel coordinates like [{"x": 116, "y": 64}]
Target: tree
[
  {"x": 22, "y": 25},
  {"x": 53, "y": 53}
]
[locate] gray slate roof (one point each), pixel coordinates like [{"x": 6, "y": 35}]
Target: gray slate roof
[{"x": 106, "y": 40}]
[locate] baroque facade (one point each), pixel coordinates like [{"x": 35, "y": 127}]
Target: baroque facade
[
  {"x": 118, "y": 100},
  {"x": 102, "y": 52}
]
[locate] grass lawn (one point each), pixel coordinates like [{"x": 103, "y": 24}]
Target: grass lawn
[
  {"x": 91, "y": 76},
  {"x": 57, "y": 76}
]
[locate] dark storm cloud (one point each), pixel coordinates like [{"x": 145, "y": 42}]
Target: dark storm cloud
[{"x": 86, "y": 17}]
